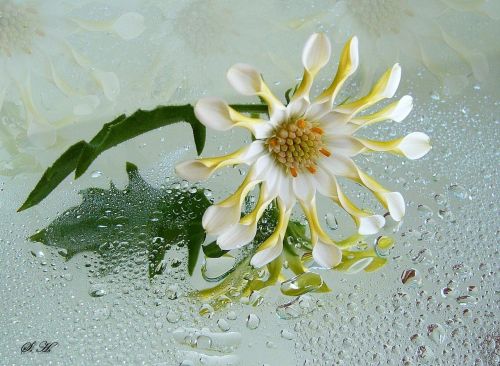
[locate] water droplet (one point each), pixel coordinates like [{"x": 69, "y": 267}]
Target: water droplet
[
  {"x": 383, "y": 245},
  {"x": 424, "y": 211},
  {"x": 458, "y": 191},
  {"x": 37, "y": 253},
  {"x": 440, "y": 199},
  {"x": 436, "y": 333},
  {"x": 331, "y": 221},
  {"x": 96, "y": 174},
  {"x": 253, "y": 321},
  {"x": 206, "y": 310},
  {"x": 97, "y": 290},
  {"x": 411, "y": 277},
  {"x": 286, "y": 334},
  {"x": 231, "y": 315},
  {"x": 173, "y": 317},
  {"x": 466, "y": 300},
  {"x": 223, "y": 325}
]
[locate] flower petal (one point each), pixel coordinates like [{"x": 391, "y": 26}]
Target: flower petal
[
  {"x": 396, "y": 112},
  {"x": 415, "y": 145},
  {"x": 396, "y": 204},
  {"x": 246, "y": 80},
  {"x": 316, "y": 52},
  {"x": 201, "y": 169},
  {"x": 344, "y": 145},
  {"x": 218, "y": 115},
  {"x": 326, "y": 255},
  {"x": 384, "y": 88},
  {"x": 349, "y": 61},
  {"x": 315, "y": 55}
]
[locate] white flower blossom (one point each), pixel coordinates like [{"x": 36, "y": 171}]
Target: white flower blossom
[{"x": 301, "y": 150}]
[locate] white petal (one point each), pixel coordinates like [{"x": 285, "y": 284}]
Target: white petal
[
  {"x": 403, "y": 109},
  {"x": 395, "y": 204},
  {"x": 193, "y": 170},
  {"x": 303, "y": 187},
  {"x": 415, "y": 145},
  {"x": 109, "y": 83},
  {"x": 218, "y": 218},
  {"x": 345, "y": 145},
  {"x": 129, "y": 26},
  {"x": 237, "y": 236},
  {"x": 326, "y": 255},
  {"x": 86, "y": 105},
  {"x": 284, "y": 190},
  {"x": 245, "y": 79},
  {"x": 393, "y": 82},
  {"x": 371, "y": 224},
  {"x": 297, "y": 108},
  {"x": 324, "y": 182},
  {"x": 354, "y": 54},
  {"x": 267, "y": 255},
  {"x": 316, "y": 53},
  {"x": 317, "y": 110},
  {"x": 213, "y": 113},
  {"x": 340, "y": 165}
]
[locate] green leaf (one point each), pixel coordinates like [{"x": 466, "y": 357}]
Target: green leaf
[
  {"x": 121, "y": 224},
  {"x": 81, "y": 155},
  {"x": 212, "y": 250}
]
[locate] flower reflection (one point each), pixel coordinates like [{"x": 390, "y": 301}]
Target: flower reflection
[
  {"x": 412, "y": 32},
  {"x": 46, "y": 81}
]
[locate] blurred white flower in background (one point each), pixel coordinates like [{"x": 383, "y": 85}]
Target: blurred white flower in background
[
  {"x": 46, "y": 79},
  {"x": 197, "y": 40},
  {"x": 414, "y": 32}
]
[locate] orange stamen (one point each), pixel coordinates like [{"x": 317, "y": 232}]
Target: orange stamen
[
  {"x": 293, "y": 171},
  {"x": 318, "y": 130},
  {"x": 301, "y": 123},
  {"x": 325, "y": 152},
  {"x": 273, "y": 142},
  {"x": 312, "y": 169}
]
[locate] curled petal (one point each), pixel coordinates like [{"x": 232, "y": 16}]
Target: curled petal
[
  {"x": 367, "y": 224},
  {"x": 246, "y": 80},
  {"x": 218, "y": 115},
  {"x": 349, "y": 61},
  {"x": 315, "y": 55},
  {"x": 395, "y": 204},
  {"x": 272, "y": 246},
  {"x": 244, "y": 232},
  {"x": 396, "y": 112},
  {"x": 415, "y": 145},
  {"x": 385, "y": 87},
  {"x": 201, "y": 169},
  {"x": 327, "y": 255},
  {"x": 221, "y": 216}
]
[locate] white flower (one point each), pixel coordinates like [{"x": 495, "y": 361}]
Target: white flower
[
  {"x": 301, "y": 150},
  {"x": 44, "y": 72},
  {"x": 414, "y": 32}
]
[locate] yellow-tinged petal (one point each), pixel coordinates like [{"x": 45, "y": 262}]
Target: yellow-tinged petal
[
  {"x": 349, "y": 61},
  {"x": 218, "y": 218},
  {"x": 244, "y": 232},
  {"x": 248, "y": 81},
  {"x": 315, "y": 56},
  {"x": 367, "y": 223},
  {"x": 272, "y": 247},
  {"x": 396, "y": 112},
  {"x": 385, "y": 87},
  {"x": 218, "y": 115},
  {"x": 413, "y": 146},
  {"x": 201, "y": 169}
]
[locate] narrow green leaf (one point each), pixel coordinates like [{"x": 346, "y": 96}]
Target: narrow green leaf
[{"x": 81, "y": 155}]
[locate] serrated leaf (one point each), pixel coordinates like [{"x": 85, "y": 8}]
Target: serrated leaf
[
  {"x": 118, "y": 224},
  {"x": 81, "y": 155}
]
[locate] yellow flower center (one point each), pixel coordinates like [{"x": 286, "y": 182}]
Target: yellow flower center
[
  {"x": 19, "y": 24},
  {"x": 296, "y": 145}
]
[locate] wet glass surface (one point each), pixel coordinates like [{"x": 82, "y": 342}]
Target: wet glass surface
[{"x": 68, "y": 67}]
